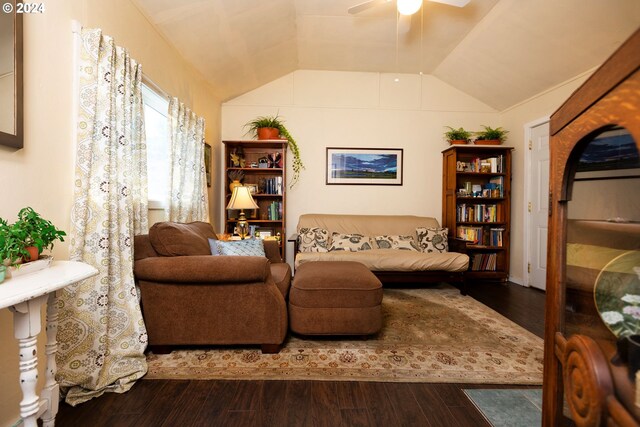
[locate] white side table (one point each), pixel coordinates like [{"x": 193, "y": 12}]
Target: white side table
[{"x": 24, "y": 295}]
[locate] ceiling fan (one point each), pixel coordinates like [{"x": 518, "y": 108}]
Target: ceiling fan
[{"x": 405, "y": 7}]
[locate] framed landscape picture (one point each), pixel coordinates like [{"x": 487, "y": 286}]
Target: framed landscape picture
[{"x": 364, "y": 166}]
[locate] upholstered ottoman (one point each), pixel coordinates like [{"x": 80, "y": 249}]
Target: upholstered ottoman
[{"x": 335, "y": 298}]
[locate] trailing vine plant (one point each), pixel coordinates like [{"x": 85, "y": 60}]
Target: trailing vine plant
[{"x": 276, "y": 122}]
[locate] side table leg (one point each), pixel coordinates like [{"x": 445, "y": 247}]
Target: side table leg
[
  {"x": 51, "y": 390},
  {"x": 26, "y": 326}
]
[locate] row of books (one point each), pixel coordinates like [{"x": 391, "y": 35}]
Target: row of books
[
  {"x": 273, "y": 185},
  {"x": 470, "y": 234},
  {"x": 274, "y": 211},
  {"x": 479, "y": 213},
  {"x": 484, "y": 262},
  {"x": 489, "y": 165},
  {"x": 479, "y": 236}
]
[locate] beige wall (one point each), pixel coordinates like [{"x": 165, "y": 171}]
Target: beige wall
[
  {"x": 339, "y": 109},
  {"x": 348, "y": 109},
  {"x": 41, "y": 174}
]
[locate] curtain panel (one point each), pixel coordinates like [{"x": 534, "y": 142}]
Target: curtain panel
[
  {"x": 101, "y": 333},
  {"x": 187, "y": 179}
]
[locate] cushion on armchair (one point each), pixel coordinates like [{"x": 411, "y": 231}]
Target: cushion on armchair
[
  {"x": 177, "y": 239},
  {"x": 248, "y": 247}
]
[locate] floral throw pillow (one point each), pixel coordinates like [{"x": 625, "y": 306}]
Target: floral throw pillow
[
  {"x": 404, "y": 243},
  {"x": 433, "y": 239},
  {"x": 313, "y": 240},
  {"x": 248, "y": 247},
  {"x": 349, "y": 242}
]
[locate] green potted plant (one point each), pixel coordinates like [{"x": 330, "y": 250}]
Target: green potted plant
[
  {"x": 265, "y": 127},
  {"x": 12, "y": 244},
  {"x": 39, "y": 233},
  {"x": 257, "y": 127},
  {"x": 491, "y": 136},
  {"x": 457, "y": 136}
]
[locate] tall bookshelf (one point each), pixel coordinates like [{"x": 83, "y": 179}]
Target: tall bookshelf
[
  {"x": 476, "y": 205},
  {"x": 268, "y": 179}
]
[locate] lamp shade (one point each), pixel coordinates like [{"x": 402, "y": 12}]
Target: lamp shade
[
  {"x": 409, "y": 7},
  {"x": 241, "y": 199}
]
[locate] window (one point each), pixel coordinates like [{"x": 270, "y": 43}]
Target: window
[{"x": 156, "y": 110}]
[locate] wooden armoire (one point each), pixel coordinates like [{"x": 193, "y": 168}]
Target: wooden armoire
[{"x": 594, "y": 229}]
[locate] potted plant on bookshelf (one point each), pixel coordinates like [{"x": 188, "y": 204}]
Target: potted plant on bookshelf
[
  {"x": 457, "y": 136},
  {"x": 257, "y": 127},
  {"x": 491, "y": 136}
]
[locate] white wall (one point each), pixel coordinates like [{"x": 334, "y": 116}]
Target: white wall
[
  {"x": 349, "y": 109},
  {"x": 41, "y": 174}
]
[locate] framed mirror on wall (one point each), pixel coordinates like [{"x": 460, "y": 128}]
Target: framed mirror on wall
[{"x": 11, "y": 93}]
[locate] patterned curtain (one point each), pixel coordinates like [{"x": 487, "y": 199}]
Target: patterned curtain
[
  {"x": 101, "y": 333},
  {"x": 188, "y": 184}
]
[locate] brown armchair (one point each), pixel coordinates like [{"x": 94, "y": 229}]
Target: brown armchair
[{"x": 190, "y": 297}]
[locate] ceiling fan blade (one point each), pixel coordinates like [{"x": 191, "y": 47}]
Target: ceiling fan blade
[
  {"x": 457, "y": 3},
  {"x": 366, "y": 5}
]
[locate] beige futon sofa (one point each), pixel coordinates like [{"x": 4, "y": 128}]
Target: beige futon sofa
[{"x": 389, "y": 265}]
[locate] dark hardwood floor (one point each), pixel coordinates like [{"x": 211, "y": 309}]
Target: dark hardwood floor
[{"x": 306, "y": 403}]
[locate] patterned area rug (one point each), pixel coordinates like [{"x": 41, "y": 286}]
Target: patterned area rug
[{"x": 432, "y": 335}]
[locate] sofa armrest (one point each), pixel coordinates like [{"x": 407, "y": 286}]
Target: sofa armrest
[
  {"x": 272, "y": 251},
  {"x": 457, "y": 244},
  {"x": 294, "y": 238},
  {"x": 203, "y": 268}
]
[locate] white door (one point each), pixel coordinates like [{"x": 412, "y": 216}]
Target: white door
[{"x": 539, "y": 204}]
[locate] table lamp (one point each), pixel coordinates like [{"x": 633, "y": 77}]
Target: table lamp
[{"x": 241, "y": 199}]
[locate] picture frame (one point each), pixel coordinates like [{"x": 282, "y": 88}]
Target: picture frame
[
  {"x": 265, "y": 232},
  {"x": 364, "y": 166},
  {"x": 253, "y": 188},
  {"x": 207, "y": 163}
]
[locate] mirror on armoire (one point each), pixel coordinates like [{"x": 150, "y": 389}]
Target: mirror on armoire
[
  {"x": 603, "y": 237},
  {"x": 11, "y": 96}
]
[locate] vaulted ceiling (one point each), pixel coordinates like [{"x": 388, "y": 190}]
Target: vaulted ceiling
[{"x": 500, "y": 51}]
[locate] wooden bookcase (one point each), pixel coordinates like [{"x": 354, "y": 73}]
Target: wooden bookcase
[
  {"x": 269, "y": 181},
  {"x": 482, "y": 218}
]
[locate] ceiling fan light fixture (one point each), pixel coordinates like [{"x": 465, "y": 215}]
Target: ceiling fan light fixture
[{"x": 409, "y": 7}]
